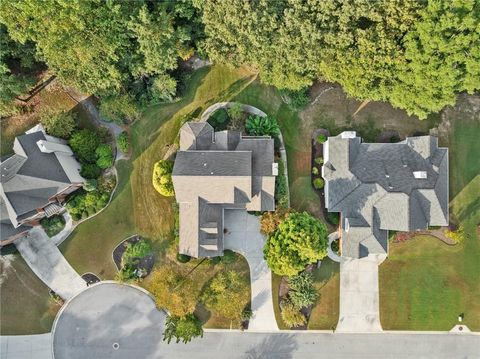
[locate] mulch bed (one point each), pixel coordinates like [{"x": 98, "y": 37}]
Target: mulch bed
[
  {"x": 90, "y": 278},
  {"x": 437, "y": 233},
  {"x": 144, "y": 263}
]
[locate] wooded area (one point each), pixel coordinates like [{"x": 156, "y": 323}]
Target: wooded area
[{"x": 416, "y": 55}]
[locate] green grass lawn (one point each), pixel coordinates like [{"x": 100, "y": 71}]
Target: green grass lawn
[
  {"x": 25, "y": 305},
  {"x": 327, "y": 281},
  {"x": 425, "y": 284}
]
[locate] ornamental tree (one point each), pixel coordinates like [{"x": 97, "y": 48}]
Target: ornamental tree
[
  {"x": 162, "y": 178},
  {"x": 227, "y": 294},
  {"x": 299, "y": 240},
  {"x": 182, "y": 329}
]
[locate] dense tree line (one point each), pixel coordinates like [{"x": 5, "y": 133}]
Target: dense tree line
[{"x": 415, "y": 54}]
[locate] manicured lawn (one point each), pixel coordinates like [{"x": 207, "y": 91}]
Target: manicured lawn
[
  {"x": 425, "y": 284},
  {"x": 25, "y": 305},
  {"x": 327, "y": 281}
]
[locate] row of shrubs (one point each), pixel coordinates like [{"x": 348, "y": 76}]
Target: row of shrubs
[{"x": 92, "y": 198}]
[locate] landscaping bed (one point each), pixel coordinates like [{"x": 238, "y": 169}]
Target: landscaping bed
[{"x": 144, "y": 263}]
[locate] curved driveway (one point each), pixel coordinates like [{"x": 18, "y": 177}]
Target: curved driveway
[{"x": 243, "y": 236}]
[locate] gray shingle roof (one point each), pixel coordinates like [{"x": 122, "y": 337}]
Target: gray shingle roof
[
  {"x": 380, "y": 187},
  {"x": 30, "y": 177},
  {"x": 214, "y": 171}
]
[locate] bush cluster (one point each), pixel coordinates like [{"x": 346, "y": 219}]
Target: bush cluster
[
  {"x": 162, "y": 178},
  {"x": 262, "y": 126},
  {"x": 60, "y": 124},
  {"x": 123, "y": 142},
  {"x": 85, "y": 204},
  {"x": 53, "y": 225}
]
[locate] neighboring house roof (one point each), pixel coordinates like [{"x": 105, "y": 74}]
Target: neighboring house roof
[
  {"x": 214, "y": 171},
  {"x": 41, "y": 167},
  {"x": 384, "y": 186}
]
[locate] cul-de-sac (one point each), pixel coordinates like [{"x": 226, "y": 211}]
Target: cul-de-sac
[{"x": 248, "y": 179}]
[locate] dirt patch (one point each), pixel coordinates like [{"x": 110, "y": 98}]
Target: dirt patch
[{"x": 330, "y": 103}]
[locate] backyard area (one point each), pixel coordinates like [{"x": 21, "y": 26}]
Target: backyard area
[{"x": 426, "y": 284}]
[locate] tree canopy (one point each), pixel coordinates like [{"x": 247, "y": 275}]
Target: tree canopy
[
  {"x": 299, "y": 240},
  {"x": 417, "y": 55},
  {"x": 99, "y": 46}
]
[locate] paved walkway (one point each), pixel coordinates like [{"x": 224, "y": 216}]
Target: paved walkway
[
  {"x": 359, "y": 298},
  {"x": 243, "y": 236},
  {"x": 46, "y": 261},
  {"x": 330, "y": 253},
  {"x": 26, "y": 346}
]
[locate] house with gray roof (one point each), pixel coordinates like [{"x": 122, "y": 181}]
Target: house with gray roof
[
  {"x": 214, "y": 172},
  {"x": 379, "y": 187},
  {"x": 35, "y": 180}
]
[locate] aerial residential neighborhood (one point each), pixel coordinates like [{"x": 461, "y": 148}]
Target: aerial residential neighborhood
[{"x": 239, "y": 179}]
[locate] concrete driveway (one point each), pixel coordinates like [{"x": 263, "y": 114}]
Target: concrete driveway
[
  {"x": 48, "y": 263},
  {"x": 359, "y": 299},
  {"x": 243, "y": 236}
]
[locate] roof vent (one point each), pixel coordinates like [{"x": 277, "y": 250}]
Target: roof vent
[{"x": 420, "y": 174}]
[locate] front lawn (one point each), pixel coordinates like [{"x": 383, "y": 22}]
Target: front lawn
[{"x": 25, "y": 303}]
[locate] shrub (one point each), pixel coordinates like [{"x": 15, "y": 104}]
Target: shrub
[
  {"x": 173, "y": 291},
  {"x": 118, "y": 108},
  {"x": 162, "y": 178},
  {"x": 457, "y": 236},
  {"x": 235, "y": 112},
  {"x": 53, "y": 225},
  {"x": 214, "y": 260},
  {"x": 90, "y": 185},
  {"x": 333, "y": 218},
  {"x": 84, "y": 143},
  {"x": 270, "y": 220},
  {"x": 227, "y": 294},
  {"x": 84, "y": 204},
  {"x": 302, "y": 292},
  {"x": 229, "y": 256},
  {"x": 300, "y": 239},
  {"x": 319, "y": 160},
  {"x": 281, "y": 187},
  {"x": 318, "y": 183},
  {"x": 182, "y": 329},
  {"x": 104, "y": 156},
  {"x": 314, "y": 171},
  {"x": 336, "y": 246},
  {"x": 219, "y": 120},
  {"x": 61, "y": 124},
  {"x": 123, "y": 142},
  {"x": 291, "y": 316},
  {"x": 127, "y": 273},
  {"x": 262, "y": 126},
  {"x": 298, "y": 99},
  {"x": 135, "y": 251},
  {"x": 183, "y": 258},
  {"x": 90, "y": 171},
  {"x": 321, "y": 138},
  {"x": 107, "y": 183}
]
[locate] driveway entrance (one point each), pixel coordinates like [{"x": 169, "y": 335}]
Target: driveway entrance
[
  {"x": 359, "y": 299},
  {"x": 243, "y": 236}
]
